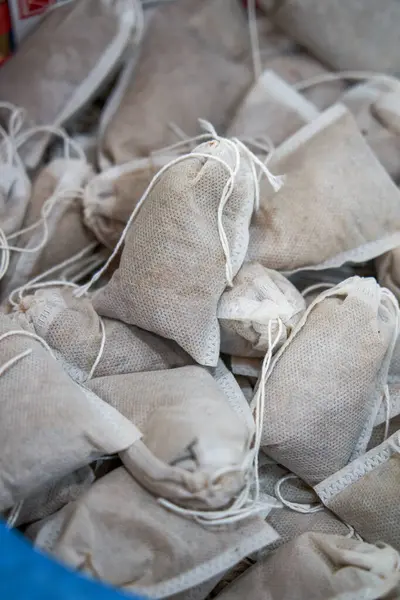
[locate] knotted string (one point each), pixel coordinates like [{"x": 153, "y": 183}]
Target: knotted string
[
  {"x": 227, "y": 191},
  {"x": 244, "y": 505}
]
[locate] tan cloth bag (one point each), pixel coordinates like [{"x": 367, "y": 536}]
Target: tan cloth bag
[
  {"x": 345, "y": 35},
  {"x": 89, "y": 346},
  {"x": 271, "y": 108},
  {"x": 258, "y": 296},
  {"x": 63, "y": 63},
  {"x": 49, "y": 425},
  {"x": 316, "y": 566},
  {"x": 365, "y": 492},
  {"x": 173, "y": 268},
  {"x": 363, "y": 101},
  {"x": 209, "y": 39},
  {"x": 54, "y": 496},
  {"x": 60, "y": 233},
  {"x": 337, "y": 205},
  {"x": 111, "y": 196},
  {"x": 119, "y": 533},
  {"x": 329, "y": 377},
  {"x": 191, "y": 432}
]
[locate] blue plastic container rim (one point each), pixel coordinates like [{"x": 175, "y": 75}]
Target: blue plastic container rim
[{"x": 27, "y": 574}]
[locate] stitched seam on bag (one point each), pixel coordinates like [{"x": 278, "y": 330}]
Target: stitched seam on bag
[
  {"x": 354, "y": 474},
  {"x": 212, "y": 567}
]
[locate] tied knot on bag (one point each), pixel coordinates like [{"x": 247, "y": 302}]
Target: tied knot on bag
[
  {"x": 236, "y": 146},
  {"x": 249, "y": 502},
  {"x": 80, "y": 258}
]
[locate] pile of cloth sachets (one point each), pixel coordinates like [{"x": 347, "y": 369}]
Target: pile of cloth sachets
[{"x": 200, "y": 274}]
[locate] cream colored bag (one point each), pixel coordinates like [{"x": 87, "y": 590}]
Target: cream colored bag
[
  {"x": 63, "y": 63},
  {"x": 345, "y": 35},
  {"x": 89, "y": 346},
  {"x": 186, "y": 239},
  {"x": 365, "y": 493},
  {"x": 329, "y": 378},
  {"x": 195, "y": 439},
  {"x": 338, "y": 203},
  {"x": 119, "y": 533},
  {"x": 258, "y": 298},
  {"x": 111, "y": 196},
  {"x": 193, "y": 63},
  {"x": 50, "y": 426},
  {"x": 363, "y": 101},
  {"x": 54, "y": 496},
  {"x": 271, "y": 108},
  {"x": 59, "y": 233},
  {"x": 316, "y": 566}
]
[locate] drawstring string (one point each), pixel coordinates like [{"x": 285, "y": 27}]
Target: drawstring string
[
  {"x": 243, "y": 506},
  {"x": 276, "y": 182},
  {"x": 300, "y": 507}
]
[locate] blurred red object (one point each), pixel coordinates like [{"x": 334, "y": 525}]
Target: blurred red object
[
  {"x": 30, "y": 8},
  {"x": 5, "y": 32}
]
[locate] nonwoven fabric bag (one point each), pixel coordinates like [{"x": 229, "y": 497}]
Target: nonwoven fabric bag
[
  {"x": 174, "y": 266},
  {"x": 61, "y": 66},
  {"x": 111, "y": 196},
  {"x": 185, "y": 37},
  {"x": 190, "y": 433},
  {"x": 364, "y": 493},
  {"x": 233, "y": 393},
  {"x": 272, "y": 108},
  {"x": 52, "y": 497},
  {"x": 258, "y": 296},
  {"x": 338, "y": 204},
  {"x": 296, "y": 67},
  {"x": 56, "y": 211},
  {"x": 315, "y": 566},
  {"x": 330, "y": 377},
  {"x": 78, "y": 336},
  {"x": 301, "y": 512},
  {"x": 50, "y": 426},
  {"x": 363, "y": 100},
  {"x": 119, "y": 533},
  {"x": 344, "y": 35}
]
